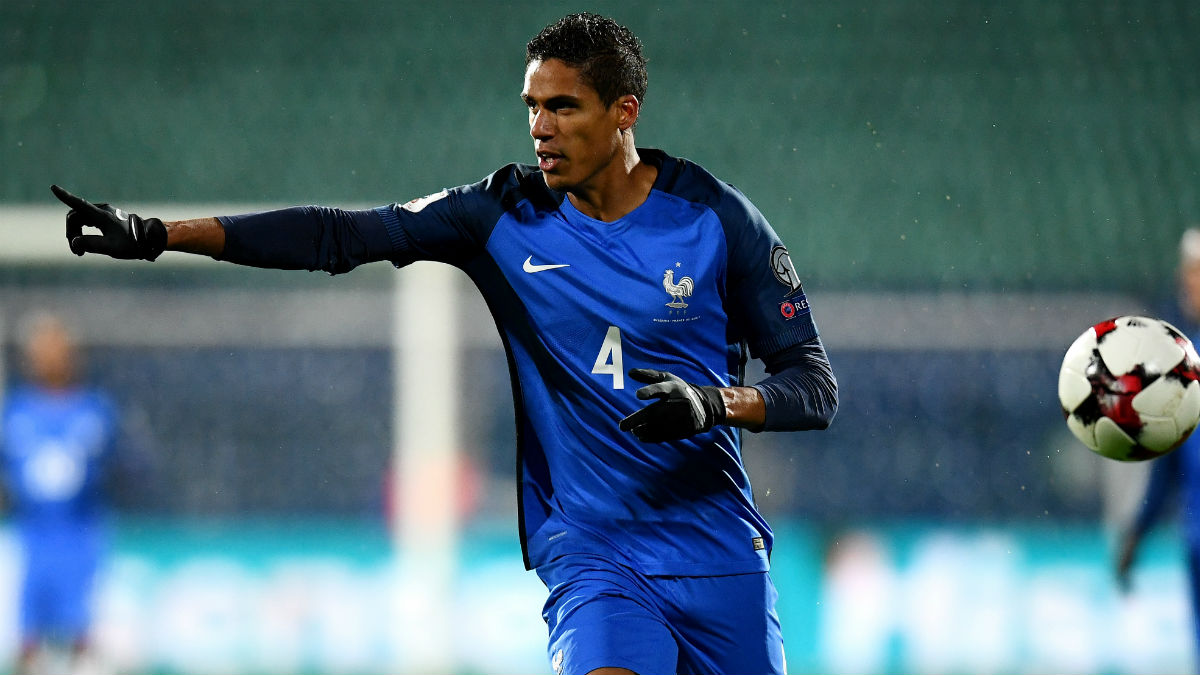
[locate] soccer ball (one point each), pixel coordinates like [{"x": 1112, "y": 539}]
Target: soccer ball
[{"x": 1130, "y": 388}]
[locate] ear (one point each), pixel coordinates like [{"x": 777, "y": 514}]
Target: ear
[{"x": 627, "y": 108}]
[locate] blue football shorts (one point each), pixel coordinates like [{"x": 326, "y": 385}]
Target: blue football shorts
[
  {"x": 56, "y": 595},
  {"x": 603, "y": 614}
]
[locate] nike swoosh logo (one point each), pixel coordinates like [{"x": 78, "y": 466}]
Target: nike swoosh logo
[{"x": 533, "y": 269}]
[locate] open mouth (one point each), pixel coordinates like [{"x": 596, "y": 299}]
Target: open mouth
[{"x": 548, "y": 161}]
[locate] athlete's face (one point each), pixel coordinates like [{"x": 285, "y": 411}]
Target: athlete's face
[
  {"x": 50, "y": 354},
  {"x": 575, "y": 136}
]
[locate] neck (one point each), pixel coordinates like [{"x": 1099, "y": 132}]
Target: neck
[{"x": 619, "y": 190}]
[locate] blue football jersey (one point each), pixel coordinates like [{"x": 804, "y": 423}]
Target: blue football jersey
[
  {"x": 55, "y": 446},
  {"x": 692, "y": 281}
]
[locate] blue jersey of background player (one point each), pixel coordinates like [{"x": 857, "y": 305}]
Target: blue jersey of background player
[
  {"x": 616, "y": 276},
  {"x": 1179, "y": 471},
  {"x": 57, "y": 439}
]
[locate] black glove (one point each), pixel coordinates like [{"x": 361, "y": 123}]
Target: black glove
[
  {"x": 682, "y": 409},
  {"x": 122, "y": 235}
]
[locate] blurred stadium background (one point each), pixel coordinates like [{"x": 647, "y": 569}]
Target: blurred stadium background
[{"x": 965, "y": 186}]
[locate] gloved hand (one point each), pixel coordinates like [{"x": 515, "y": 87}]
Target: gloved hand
[
  {"x": 682, "y": 409},
  {"x": 122, "y": 235}
]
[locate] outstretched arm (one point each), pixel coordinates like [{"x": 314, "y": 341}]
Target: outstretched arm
[
  {"x": 202, "y": 236},
  {"x": 305, "y": 237}
]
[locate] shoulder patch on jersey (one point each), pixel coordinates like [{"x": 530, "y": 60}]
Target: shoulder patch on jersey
[
  {"x": 797, "y": 306},
  {"x": 419, "y": 203},
  {"x": 785, "y": 272}
]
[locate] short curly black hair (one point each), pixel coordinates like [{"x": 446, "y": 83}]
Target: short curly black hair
[{"x": 607, "y": 54}]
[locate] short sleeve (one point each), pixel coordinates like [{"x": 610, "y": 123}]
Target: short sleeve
[
  {"x": 452, "y": 225},
  {"x": 764, "y": 296}
]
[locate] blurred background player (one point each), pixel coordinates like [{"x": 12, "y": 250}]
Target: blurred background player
[
  {"x": 1181, "y": 468},
  {"x": 58, "y": 440}
]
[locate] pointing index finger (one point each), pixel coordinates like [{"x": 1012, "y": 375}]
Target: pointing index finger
[{"x": 70, "y": 199}]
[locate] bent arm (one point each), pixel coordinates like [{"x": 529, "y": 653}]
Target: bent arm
[
  {"x": 801, "y": 392},
  {"x": 744, "y": 407}
]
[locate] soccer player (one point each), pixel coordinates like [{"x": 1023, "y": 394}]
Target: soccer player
[
  {"x": 1179, "y": 470},
  {"x": 58, "y": 443},
  {"x": 629, "y": 287}
]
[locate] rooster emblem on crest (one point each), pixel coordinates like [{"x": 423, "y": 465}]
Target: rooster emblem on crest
[{"x": 677, "y": 291}]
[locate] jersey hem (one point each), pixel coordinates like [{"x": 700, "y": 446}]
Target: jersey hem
[{"x": 658, "y": 568}]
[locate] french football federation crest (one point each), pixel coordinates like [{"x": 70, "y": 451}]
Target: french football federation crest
[{"x": 677, "y": 291}]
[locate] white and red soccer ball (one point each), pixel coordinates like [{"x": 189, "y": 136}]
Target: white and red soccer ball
[{"x": 1130, "y": 388}]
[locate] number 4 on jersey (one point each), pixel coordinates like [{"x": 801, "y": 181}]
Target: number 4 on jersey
[{"x": 609, "y": 360}]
